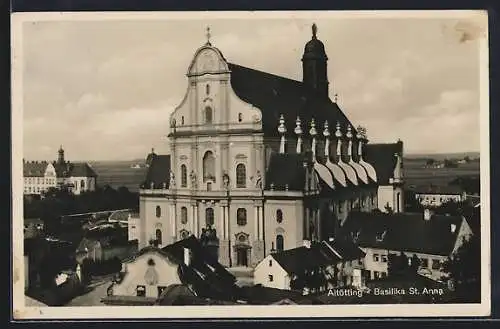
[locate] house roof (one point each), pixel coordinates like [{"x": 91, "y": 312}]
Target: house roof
[
  {"x": 437, "y": 189},
  {"x": 286, "y": 169},
  {"x": 158, "y": 172},
  {"x": 382, "y": 158},
  {"x": 34, "y": 168},
  {"x": 404, "y": 231},
  {"x": 74, "y": 169},
  {"x": 275, "y": 95}
]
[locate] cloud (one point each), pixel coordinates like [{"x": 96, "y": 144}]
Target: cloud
[{"x": 105, "y": 89}]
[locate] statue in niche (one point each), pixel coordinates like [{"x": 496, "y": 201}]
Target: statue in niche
[
  {"x": 172, "y": 178},
  {"x": 192, "y": 176},
  {"x": 257, "y": 179},
  {"x": 225, "y": 179}
]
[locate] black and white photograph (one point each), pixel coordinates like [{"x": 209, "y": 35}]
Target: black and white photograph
[{"x": 206, "y": 164}]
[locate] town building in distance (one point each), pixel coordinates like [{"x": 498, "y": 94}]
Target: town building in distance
[{"x": 39, "y": 176}]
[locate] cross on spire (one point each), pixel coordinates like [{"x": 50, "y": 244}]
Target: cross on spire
[
  {"x": 314, "y": 30},
  {"x": 208, "y": 35}
]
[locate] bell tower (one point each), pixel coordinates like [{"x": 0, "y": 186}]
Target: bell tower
[{"x": 314, "y": 65}]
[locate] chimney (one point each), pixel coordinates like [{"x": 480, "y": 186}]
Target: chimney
[
  {"x": 453, "y": 228},
  {"x": 187, "y": 257},
  {"x": 307, "y": 244},
  {"x": 427, "y": 214}
]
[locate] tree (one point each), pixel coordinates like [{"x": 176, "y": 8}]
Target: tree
[
  {"x": 463, "y": 269},
  {"x": 430, "y": 162},
  {"x": 397, "y": 264}
]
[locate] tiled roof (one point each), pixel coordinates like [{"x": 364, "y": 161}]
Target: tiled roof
[
  {"x": 286, "y": 169},
  {"x": 319, "y": 254},
  {"x": 158, "y": 172},
  {"x": 74, "y": 169},
  {"x": 34, "y": 169},
  {"x": 404, "y": 231},
  {"x": 275, "y": 95},
  {"x": 437, "y": 189},
  {"x": 382, "y": 158}
]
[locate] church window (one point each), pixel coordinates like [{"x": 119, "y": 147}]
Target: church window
[
  {"x": 280, "y": 242},
  {"x": 207, "y": 89},
  {"x": 279, "y": 215},
  {"x": 241, "y": 176},
  {"x": 182, "y": 120},
  {"x": 209, "y": 216},
  {"x": 159, "y": 236},
  {"x": 184, "y": 215},
  {"x": 158, "y": 211},
  {"x": 141, "y": 291},
  {"x": 241, "y": 216},
  {"x": 208, "y": 114},
  {"x": 209, "y": 186},
  {"x": 240, "y": 117},
  {"x": 82, "y": 184},
  {"x": 209, "y": 166},
  {"x": 183, "y": 176}
]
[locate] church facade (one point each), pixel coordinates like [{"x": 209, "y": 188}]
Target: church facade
[{"x": 263, "y": 162}]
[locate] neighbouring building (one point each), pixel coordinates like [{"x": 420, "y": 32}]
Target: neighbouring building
[
  {"x": 39, "y": 176},
  {"x": 133, "y": 226},
  {"x": 321, "y": 265},
  {"x": 437, "y": 195},
  {"x": 146, "y": 275},
  {"x": 432, "y": 238},
  {"x": 103, "y": 243},
  {"x": 266, "y": 161}
]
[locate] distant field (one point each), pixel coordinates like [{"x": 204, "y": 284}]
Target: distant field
[
  {"x": 120, "y": 173},
  {"x": 117, "y": 174}
]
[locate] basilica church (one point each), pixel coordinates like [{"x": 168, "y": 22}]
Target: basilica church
[{"x": 262, "y": 163}]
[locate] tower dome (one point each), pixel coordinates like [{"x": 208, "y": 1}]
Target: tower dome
[
  {"x": 314, "y": 65},
  {"x": 314, "y": 49}
]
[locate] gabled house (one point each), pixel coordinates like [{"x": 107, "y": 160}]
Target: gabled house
[
  {"x": 146, "y": 275},
  {"x": 430, "y": 237},
  {"x": 314, "y": 266}
]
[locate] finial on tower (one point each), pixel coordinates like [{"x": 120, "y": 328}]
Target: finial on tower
[
  {"x": 349, "y": 132},
  {"x": 326, "y": 131},
  {"x": 314, "y": 30},
  {"x": 338, "y": 133},
  {"x": 313, "y": 131},
  {"x": 282, "y": 127},
  {"x": 208, "y": 35},
  {"x": 298, "y": 126}
]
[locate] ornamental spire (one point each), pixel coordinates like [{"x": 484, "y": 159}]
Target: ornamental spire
[
  {"x": 282, "y": 131},
  {"x": 314, "y": 30},
  {"x": 208, "y": 35}
]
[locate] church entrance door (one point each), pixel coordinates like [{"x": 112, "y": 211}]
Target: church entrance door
[{"x": 241, "y": 257}]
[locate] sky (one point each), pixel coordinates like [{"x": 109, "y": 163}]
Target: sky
[{"x": 105, "y": 89}]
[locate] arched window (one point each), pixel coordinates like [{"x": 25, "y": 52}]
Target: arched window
[
  {"x": 158, "y": 211},
  {"x": 241, "y": 175},
  {"x": 207, "y": 89},
  {"x": 182, "y": 120},
  {"x": 183, "y": 175},
  {"x": 209, "y": 216},
  {"x": 240, "y": 117},
  {"x": 208, "y": 114},
  {"x": 82, "y": 184},
  {"x": 241, "y": 216},
  {"x": 208, "y": 166},
  {"x": 280, "y": 242},
  {"x": 279, "y": 215},
  {"x": 158, "y": 236},
  {"x": 184, "y": 215}
]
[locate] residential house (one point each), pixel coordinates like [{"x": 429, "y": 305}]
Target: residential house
[
  {"x": 432, "y": 238},
  {"x": 328, "y": 264},
  {"x": 437, "y": 195},
  {"x": 146, "y": 275}
]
